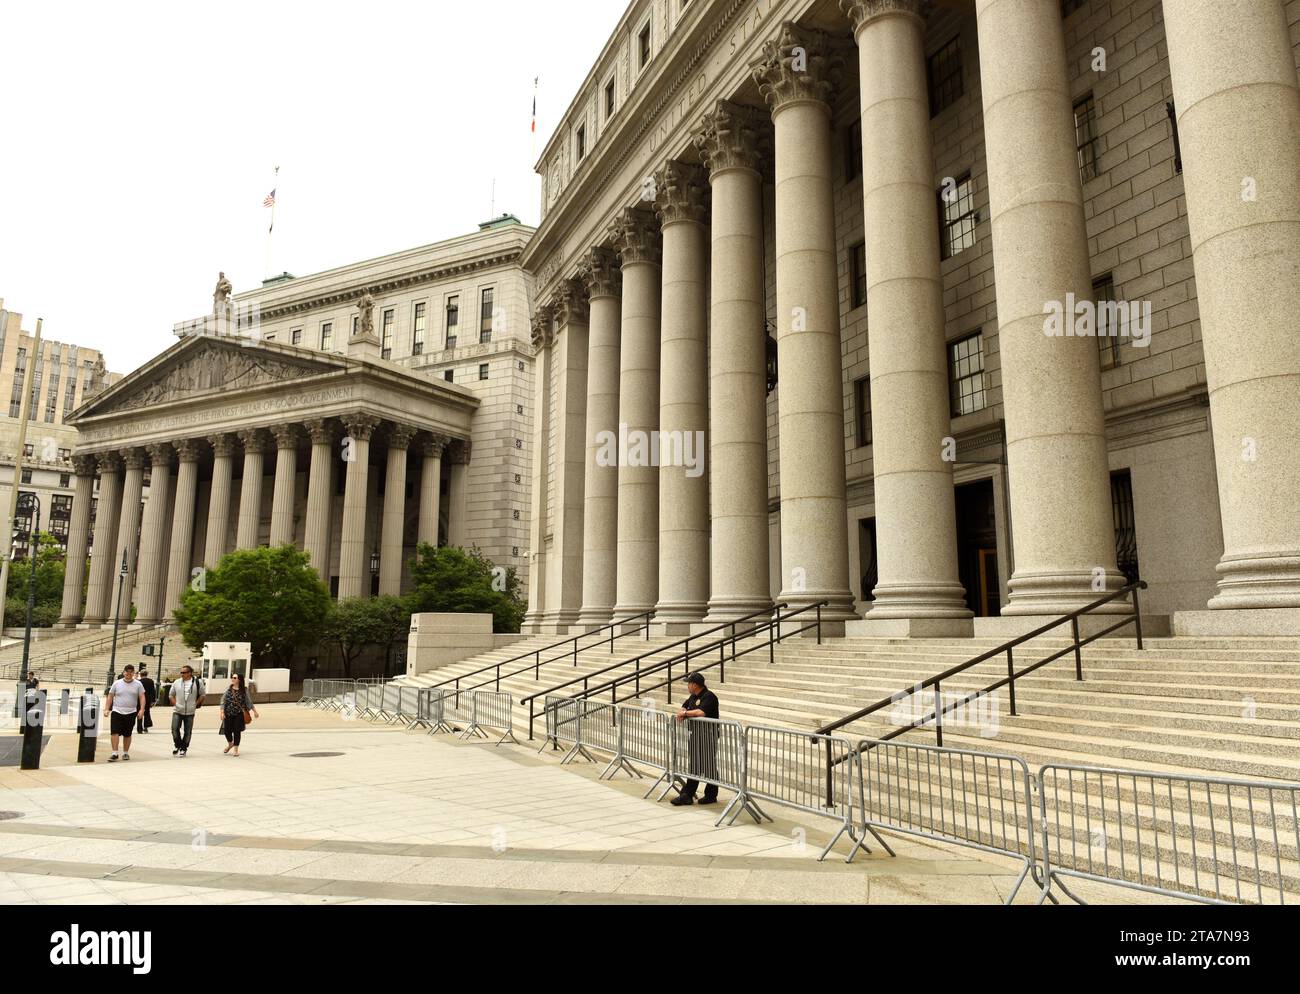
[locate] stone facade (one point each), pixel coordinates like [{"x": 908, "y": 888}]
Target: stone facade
[{"x": 950, "y": 175}]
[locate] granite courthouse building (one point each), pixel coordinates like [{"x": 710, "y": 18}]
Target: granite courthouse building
[{"x": 860, "y": 245}]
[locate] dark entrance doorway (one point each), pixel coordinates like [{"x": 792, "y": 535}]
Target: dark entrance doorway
[
  {"x": 977, "y": 548},
  {"x": 867, "y": 557}
]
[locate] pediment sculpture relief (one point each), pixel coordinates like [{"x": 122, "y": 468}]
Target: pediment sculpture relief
[{"x": 212, "y": 369}]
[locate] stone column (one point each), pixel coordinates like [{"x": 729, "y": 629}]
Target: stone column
[
  {"x": 1234, "y": 80},
  {"x": 74, "y": 570},
  {"x": 153, "y": 537},
  {"x": 431, "y": 488},
  {"x": 182, "y": 548},
  {"x": 128, "y": 531},
  {"x": 458, "y": 498},
  {"x": 636, "y": 238},
  {"x": 103, "y": 565},
  {"x": 729, "y": 143},
  {"x": 391, "y": 544},
  {"x": 285, "y": 495},
  {"x": 223, "y": 454},
  {"x": 354, "y": 557},
  {"x": 564, "y": 565},
  {"x": 250, "y": 494},
  {"x": 1063, "y": 532},
  {"x": 797, "y": 76},
  {"x": 600, "y": 487},
  {"x": 919, "y": 593},
  {"x": 683, "y": 191},
  {"x": 320, "y": 495},
  {"x": 539, "y": 526}
]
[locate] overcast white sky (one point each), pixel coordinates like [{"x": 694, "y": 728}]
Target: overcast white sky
[{"x": 139, "y": 139}]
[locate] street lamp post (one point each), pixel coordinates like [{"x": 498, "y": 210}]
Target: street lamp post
[
  {"x": 117, "y": 620},
  {"x": 31, "y": 504}
]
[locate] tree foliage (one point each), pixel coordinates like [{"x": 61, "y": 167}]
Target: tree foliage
[
  {"x": 49, "y": 586},
  {"x": 455, "y": 581},
  {"x": 271, "y": 598},
  {"x": 354, "y": 625}
]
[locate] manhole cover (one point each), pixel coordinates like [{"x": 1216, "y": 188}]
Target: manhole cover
[
  {"x": 8, "y": 815},
  {"x": 315, "y": 755}
]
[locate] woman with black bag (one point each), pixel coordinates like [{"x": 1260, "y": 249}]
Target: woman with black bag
[{"x": 237, "y": 712}]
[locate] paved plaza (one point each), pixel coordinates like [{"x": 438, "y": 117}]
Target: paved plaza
[{"x": 393, "y": 817}]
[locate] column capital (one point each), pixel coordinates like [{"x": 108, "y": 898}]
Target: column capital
[
  {"x": 134, "y": 458},
  {"x": 733, "y": 136},
  {"x": 601, "y": 273},
  {"x": 360, "y": 427},
  {"x": 543, "y": 333},
  {"x": 863, "y": 12},
  {"x": 83, "y": 465},
  {"x": 322, "y": 431},
  {"x": 108, "y": 462},
  {"x": 160, "y": 454},
  {"x": 683, "y": 193},
  {"x": 434, "y": 445},
  {"x": 401, "y": 436},
  {"x": 799, "y": 65},
  {"x": 461, "y": 451},
  {"x": 635, "y": 232},
  {"x": 188, "y": 449},
  {"x": 222, "y": 445},
  {"x": 253, "y": 440},
  {"x": 286, "y": 436},
  {"x": 570, "y": 304}
]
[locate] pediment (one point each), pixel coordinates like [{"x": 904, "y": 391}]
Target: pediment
[{"x": 205, "y": 366}]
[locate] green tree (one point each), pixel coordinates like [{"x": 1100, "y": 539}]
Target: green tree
[
  {"x": 49, "y": 585},
  {"x": 271, "y": 598},
  {"x": 355, "y": 624},
  {"x": 454, "y": 581}
]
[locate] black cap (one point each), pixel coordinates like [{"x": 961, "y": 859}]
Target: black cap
[{"x": 696, "y": 678}]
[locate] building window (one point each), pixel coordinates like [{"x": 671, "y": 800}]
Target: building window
[
  {"x": 1103, "y": 291},
  {"x": 1126, "y": 545},
  {"x": 858, "y": 271},
  {"x": 643, "y": 41},
  {"x": 485, "y": 317},
  {"x": 327, "y": 336},
  {"x": 65, "y": 455},
  {"x": 966, "y": 375},
  {"x": 386, "y": 343},
  {"x": 1172, "y": 111},
  {"x": 862, "y": 406},
  {"x": 449, "y": 376},
  {"x": 611, "y": 98},
  {"x": 356, "y": 325},
  {"x": 853, "y": 151},
  {"x": 1068, "y": 7},
  {"x": 1085, "y": 132},
  {"x": 417, "y": 332},
  {"x": 959, "y": 217},
  {"x": 483, "y": 371},
  {"x": 453, "y": 320},
  {"x": 65, "y": 480},
  {"x": 945, "y": 74},
  {"x": 27, "y": 476},
  {"x": 580, "y": 141},
  {"x": 29, "y": 450}
]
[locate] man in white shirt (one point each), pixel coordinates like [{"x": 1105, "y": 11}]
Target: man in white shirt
[
  {"x": 187, "y": 698},
  {"x": 126, "y": 701}
]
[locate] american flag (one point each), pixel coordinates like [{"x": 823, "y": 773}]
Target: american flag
[{"x": 270, "y": 200}]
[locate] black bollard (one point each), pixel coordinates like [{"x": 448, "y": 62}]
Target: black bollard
[
  {"x": 33, "y": 729},
  {"x": 87, "y": 726}
]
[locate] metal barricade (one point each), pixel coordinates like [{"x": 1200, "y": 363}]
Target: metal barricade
[
  {"x": 980, "y": 800},
  {"x": 430, "y": 712},
  {"x": 597, "y": 728},
  {"x": 408, "y": 706},
  {"x": 812, "y": 773},
  {"x": 645, "y": 737},
  {"x": 458, "y": 709},
  {"x": 390, "y": 703},
  {"x": 1202, "y": 839},
  {"x": 709, "y": 751},
  {"x": 492, "y": 711},
  {"x": 366, "y": 701},
  {"x": 308, "y": 692},
  {"x": 563, "y": 725}
]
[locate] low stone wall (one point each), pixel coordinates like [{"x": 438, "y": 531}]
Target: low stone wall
[{"x": 439, "y": 640}]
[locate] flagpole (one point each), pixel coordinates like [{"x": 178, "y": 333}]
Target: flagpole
[{"x": 270, "y": 235}]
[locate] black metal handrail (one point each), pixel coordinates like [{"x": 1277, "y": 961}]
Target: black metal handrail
[
  {"x": 90, "y": 648},
  {"x": 1008, "y": 649},
  {"x": 538, "y": 662},
  {"x": 753, "y": 623}
]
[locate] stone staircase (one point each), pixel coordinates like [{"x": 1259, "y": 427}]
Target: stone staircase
[{"x": 60, "y": 655}]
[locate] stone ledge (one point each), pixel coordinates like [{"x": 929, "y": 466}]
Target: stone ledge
[{"x": 1282, "y": 622}]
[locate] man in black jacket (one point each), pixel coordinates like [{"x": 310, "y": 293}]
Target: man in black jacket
[
  {"x": 702, "y": 741},
  {"x": 150, "y": 699}
]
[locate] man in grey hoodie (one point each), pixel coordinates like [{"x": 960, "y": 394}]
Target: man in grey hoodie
[{"x": 187, "y": 698}]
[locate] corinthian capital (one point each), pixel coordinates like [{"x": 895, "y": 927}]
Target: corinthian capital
[
  {"x": 570, "y": 304},
  {"x": 542, "y": 331},
  {"x": 360, "y": 427},
  {"x": 733, "y": 136},
  {"x": 601, "y": 273},
  {"x": 861, "y": 12},
  {"x": 683, "y": 190},
  {"x": 636, "y": 237},
  {"x": 799, "y": 64}
]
